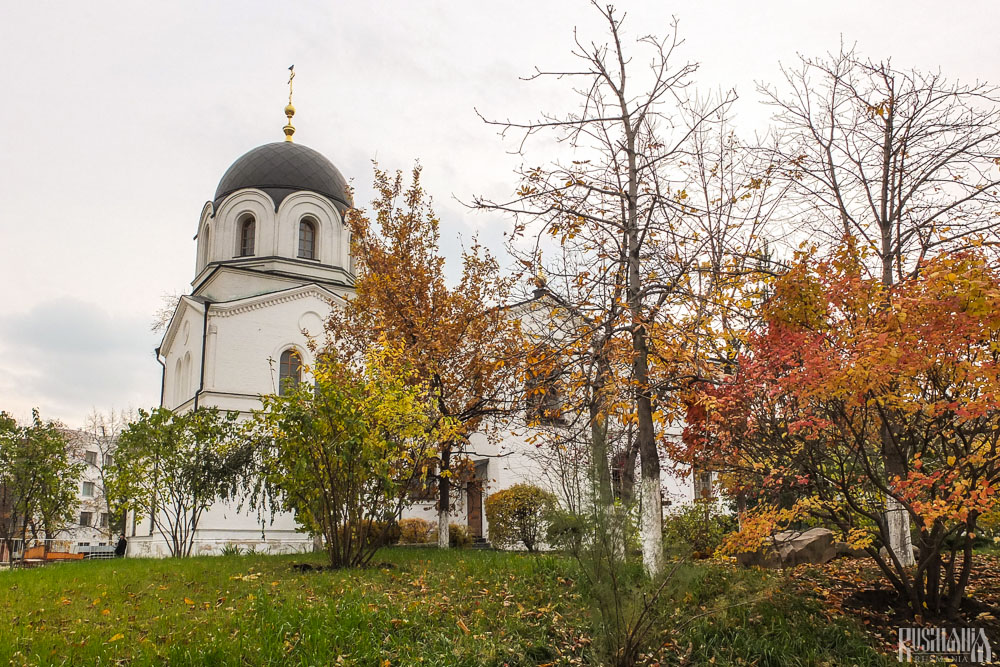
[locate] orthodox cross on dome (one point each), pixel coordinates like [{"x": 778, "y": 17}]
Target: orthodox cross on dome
[{"x": 289, "y": 110}]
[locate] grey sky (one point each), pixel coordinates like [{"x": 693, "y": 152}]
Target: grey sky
[{"x": 119, "y": 119}]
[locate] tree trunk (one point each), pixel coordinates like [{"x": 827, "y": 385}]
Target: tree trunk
[
  {"x": 651, "y": 523},
  {"x": 652, "y": 516},
  {"x": 444, "y": 499},
  {"x": 896, "y": 517},
  {"x": 898, "y": 521},
  {"x": 607, "y": 522}
]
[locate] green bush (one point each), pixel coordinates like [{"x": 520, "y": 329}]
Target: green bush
[
  {"x": 519, "y": 514},
  {"x": 565, "y": 530},
  {"x": 415, "y": 531},
  {"x": 697, "y": 528},
  {"x": 458, "y": 535}
]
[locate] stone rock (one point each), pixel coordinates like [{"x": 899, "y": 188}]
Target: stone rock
[{"x": 791, "y": 547}]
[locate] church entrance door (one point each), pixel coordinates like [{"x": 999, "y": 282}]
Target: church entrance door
[{"x": 474, "y": 501}]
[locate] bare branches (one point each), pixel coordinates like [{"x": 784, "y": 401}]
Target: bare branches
[{"x": 905, "y": 160}]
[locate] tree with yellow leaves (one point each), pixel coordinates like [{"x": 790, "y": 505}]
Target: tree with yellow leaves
[
  {"x": 457, "y": 340},
  {"x": 344, "y": 453}
]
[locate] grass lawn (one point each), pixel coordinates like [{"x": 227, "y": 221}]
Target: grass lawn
[{"x": 419, "y": 607}]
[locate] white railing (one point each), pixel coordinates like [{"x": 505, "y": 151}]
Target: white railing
[{"x": 32, "y": 552}]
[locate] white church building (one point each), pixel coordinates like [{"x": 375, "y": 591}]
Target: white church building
[{"x": 273, "y": 258}]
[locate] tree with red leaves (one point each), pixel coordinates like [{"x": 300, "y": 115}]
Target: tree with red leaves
[{"x": 842, "y": 361}]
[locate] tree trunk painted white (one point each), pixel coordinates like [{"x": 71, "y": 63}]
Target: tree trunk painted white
[
  {"x": 651, "y": 525},
  {"x": 616, "y": 533},
  {"x": 443, "y": 536},
  {"x": 899, "y": 531}
]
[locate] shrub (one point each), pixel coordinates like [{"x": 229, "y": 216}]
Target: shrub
[
  {"x": 519, "y": 514},
  {"x": 458, "y": 535},
  {"x": 415, "y": 531},
  {"x": 372, "y": 534},
  {"x": 698, "y": 527},
  {"x": 565, "y": 530},
  {"x": 343, "y": 452}
]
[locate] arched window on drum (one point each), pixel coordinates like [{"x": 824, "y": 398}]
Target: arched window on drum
[
  {"x": 307, "y": 239},
  {"x": 248, "y": 229}
]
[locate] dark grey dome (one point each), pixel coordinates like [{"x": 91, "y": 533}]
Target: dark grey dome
[{"x": 281, "y": 168}]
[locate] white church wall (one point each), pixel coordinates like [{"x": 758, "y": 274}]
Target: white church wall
[
  {"x": 250, "y": 341},
  {"x": 182, "y": 356},
  {"x": 229, "y": 285}
]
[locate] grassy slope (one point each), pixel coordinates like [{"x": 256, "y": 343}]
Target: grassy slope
[{"x": 429, "y": 607}]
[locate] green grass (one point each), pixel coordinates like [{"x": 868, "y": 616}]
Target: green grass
[
  {"x": 755, "y": 617},
  {"x": 424, "y": 607}
]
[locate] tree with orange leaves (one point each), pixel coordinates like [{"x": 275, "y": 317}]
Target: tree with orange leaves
[
  {"x": 457, "y": 339},
  {"x": 843, "y": 360}
]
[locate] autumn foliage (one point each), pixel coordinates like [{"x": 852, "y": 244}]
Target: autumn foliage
[
  {"x": 456, "y": 340},
  {"x": 519, "y": 515},
  {"x": 344, "y": 453},
  {"x": 846, "y": 369}
]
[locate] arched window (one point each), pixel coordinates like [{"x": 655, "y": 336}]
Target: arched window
[
  {"x": 247, "y": 228},
  {"x": 289, "y": 371},
  {"x": 307, "y": 239},
  {"x": 178, "y": 377},
  {"x": 187, "y": 376},
  {"x": 204, "y": 244}
]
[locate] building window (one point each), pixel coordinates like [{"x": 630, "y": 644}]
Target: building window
[
  {"x": 104, "y": 519},
  {"x": 86, "y": 518},
  {"x": 703, "y": 484},
  {"x": 544, "y": 405},
  {"x": 107, "y": 461},
  {"x": 205, "y": 244},
  {"x": 424, "y": 488},
  {"x": 307, "y": 239},
  {"x": 289, "y": 371},
  {"x": 178, "y": 388},
  {"x": 247, "y": 229},
  {"x": 88, "y": 489},
  {"x": 90, "y": 458}
]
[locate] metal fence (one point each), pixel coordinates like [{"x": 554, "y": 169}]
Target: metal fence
[{"x": 35, "y": 552}]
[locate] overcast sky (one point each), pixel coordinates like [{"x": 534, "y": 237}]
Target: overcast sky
[{"x": 118, "y": 119}]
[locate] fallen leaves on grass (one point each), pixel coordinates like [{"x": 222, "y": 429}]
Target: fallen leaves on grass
[{"x": 856, "y": 588}]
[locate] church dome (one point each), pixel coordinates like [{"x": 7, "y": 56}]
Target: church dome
[{"x": 282, "y": 168}]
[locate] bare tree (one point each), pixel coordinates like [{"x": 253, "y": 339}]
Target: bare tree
[
  {"x": 904, "y": 161},
  {"x": 161, "y": 318},
  {"x": 100, "y": 434},
  {"x": 620, "y": 203}
]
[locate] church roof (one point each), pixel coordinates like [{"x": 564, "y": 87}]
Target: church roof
[{"x": 282, "y": 168}]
